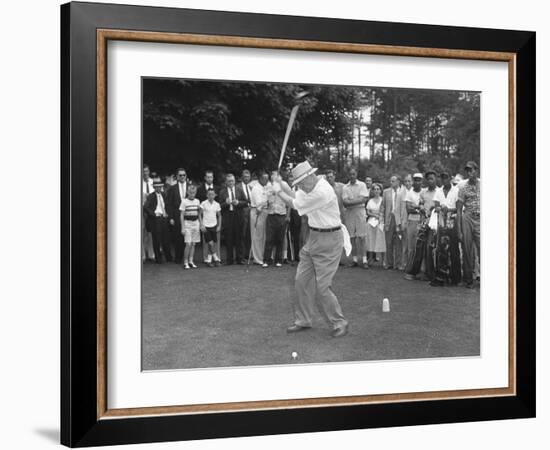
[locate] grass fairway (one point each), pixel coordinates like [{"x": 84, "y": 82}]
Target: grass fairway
[{"x": 227, "y": 316}]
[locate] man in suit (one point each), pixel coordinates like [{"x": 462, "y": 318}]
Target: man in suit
[
  {"x": 146, "y": 238},
  {"x": 390, "y": 211},
  {"x": 173, "y": 202},
  {"x": 244, "y": 185},
  {"x": 157, "y": 221},
  {"x": 202, "y": 189},
  {"x": 232, "y": 201}
]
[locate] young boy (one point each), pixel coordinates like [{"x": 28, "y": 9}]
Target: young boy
[
  {"x": 211, "y": 223},
  {"x": 190, "y": 225}
]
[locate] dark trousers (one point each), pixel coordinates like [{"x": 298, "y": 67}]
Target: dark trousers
[
  {"x": 161, "y": 239},
  {"x": 245, "y": 232},
  {"x": 232, "y": 233},
  {"x": 177, "y": 241},
  {"x": 274, "y": 236},
  {"x": 294, "y": 228},
  {"x": 393, "y": 245}
]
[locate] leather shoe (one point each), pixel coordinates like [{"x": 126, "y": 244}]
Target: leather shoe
[
  {"x": 339, "y": 332},
  {"x": 295, "y": 328}
]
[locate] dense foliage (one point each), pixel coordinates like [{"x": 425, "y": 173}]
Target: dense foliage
[{"x": 226, "y": 126}]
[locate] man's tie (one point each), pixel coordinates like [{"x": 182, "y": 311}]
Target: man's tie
[
  {"x": 247, "y": 192},
  {"x": 161, "y": 203},
  {"x": 231, "y": 199}
]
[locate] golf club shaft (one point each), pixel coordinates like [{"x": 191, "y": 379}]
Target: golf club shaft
[{"x": 287, "y": 134}]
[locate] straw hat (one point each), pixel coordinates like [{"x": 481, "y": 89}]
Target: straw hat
[{"x": 301, "y": 171}]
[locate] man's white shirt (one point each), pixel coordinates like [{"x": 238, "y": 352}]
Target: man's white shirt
[{"x": 320, "y": 205}]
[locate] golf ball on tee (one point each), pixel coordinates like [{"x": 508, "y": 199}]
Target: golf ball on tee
[{"x": 294, "y": 355}]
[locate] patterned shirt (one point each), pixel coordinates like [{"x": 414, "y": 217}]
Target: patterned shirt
[
  {"x": 190, "y": 208},
  {"x": 468, "y": 194}
]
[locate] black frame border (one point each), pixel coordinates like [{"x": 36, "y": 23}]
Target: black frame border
[{"x": 79, "y": 423}]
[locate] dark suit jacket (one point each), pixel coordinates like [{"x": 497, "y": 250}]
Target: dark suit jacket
[
  {"x": 150, "y": 206},
  {"x": 241, "y": 198},
  {"x": 201, "y": 192},
  {"x": 173, "y": 203},
  {"x": 241, "y": 186}
]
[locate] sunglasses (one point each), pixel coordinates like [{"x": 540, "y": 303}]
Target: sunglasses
[{"x": 182, "y": 175}]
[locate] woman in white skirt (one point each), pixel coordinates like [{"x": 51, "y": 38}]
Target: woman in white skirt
[{"x": 376, "y": 240}]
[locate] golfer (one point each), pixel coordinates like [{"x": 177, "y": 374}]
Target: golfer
[{"x": 320, "y": 256}]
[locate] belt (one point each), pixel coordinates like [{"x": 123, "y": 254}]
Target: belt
[
  {"x": 192, "y": 219},
  {"x": 325, "y": 230}
]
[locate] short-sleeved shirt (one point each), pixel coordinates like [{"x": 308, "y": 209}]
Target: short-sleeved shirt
[
  {"x": 276, "y": 205},
  {"x": 413, "y": 197},
  {"x": 354, "y": 191},
  {"x": 190, "y": 208},
  {"x": 429, "y": 198},
  {"x": 209, "y": 211},
  {"x": 469, "y": 195},
  {"x": 450, "y": 200},
  {"x": 320, "y": 205},
  {"x": 258, "y": 196}
]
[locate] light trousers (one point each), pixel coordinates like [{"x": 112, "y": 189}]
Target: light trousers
[
  {"x": 319, "y": 259},
  {"x": 257, "y": 234},
  {"x": 470, "y": 244}
]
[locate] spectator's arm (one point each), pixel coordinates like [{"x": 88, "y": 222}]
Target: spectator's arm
[
  {"x": 201, "y": 220},
  {"x": 382, "y": 208},
  {"x": 459, "y": 205}
]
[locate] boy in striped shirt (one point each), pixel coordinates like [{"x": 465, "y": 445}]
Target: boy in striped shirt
[{"x": 190, "y": 226}]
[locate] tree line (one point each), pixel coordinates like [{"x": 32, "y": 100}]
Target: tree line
[{"x": 228, "y": 126}]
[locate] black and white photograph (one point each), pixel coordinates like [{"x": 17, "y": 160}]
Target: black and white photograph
[{"x": 290, "y": 223}]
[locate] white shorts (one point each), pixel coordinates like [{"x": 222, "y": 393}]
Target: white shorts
[{"x": 191, "y": 231}]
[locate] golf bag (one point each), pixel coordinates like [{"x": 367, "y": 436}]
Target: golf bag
[
  {"x": 442, "y": 261},
  {"x": 415, "y": 260}
]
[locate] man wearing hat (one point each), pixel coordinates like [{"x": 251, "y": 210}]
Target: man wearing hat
[
  {"x": 157, "y": 221},
  {"x": 469, "y": 220},
  {"x": 320, "y": 256}
]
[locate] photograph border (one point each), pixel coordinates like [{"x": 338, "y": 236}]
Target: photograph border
[{"x": 86, "y": 29}]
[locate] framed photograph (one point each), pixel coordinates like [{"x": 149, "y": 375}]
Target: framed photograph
[{"x": 277, "y": 224}]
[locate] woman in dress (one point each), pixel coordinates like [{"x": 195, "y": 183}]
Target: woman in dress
[{"x": 375, "y": 241}]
